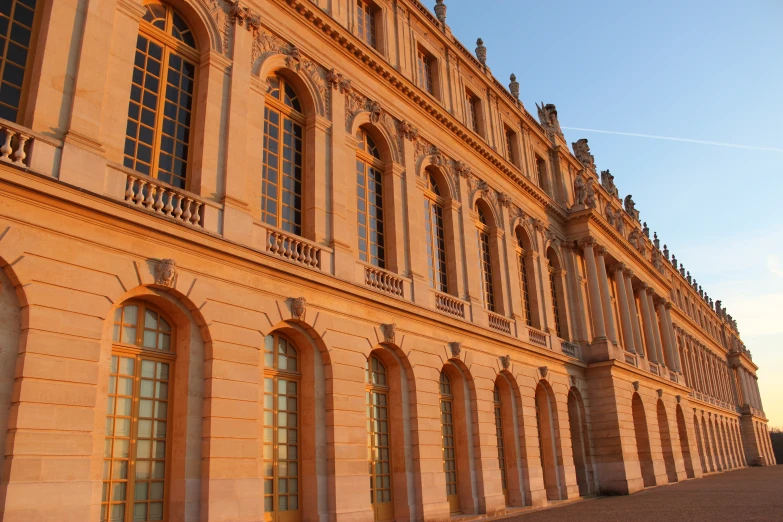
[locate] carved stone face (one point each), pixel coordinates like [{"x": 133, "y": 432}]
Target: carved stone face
[
  {"x": 166, "y": 272},
  {"x": 299, "y": 307}
]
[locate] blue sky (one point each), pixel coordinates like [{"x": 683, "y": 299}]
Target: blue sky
[{"x": 698, "y": 70}]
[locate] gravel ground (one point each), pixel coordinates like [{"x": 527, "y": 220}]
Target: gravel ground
[{"x": 734, "y": 496}]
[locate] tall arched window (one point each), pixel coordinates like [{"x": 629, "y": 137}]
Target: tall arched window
[
  {"x": 499, "y": 436},
  {"x": 379, "y": 439},
  {"x": 436, "y": 239},
  {"x": 485, "y": 260},
  {"x": 449, "y": 442},
  {"x": 281, "y": 430},
  {"x": 555, "y": 288},
  {"x": 138, "y": 416},
  {"x": 369, "y": 201},
  {"x": 524, "y": 284},
  {"x": 157, "y": 136},
  {"x": 17, "y": 19},
  {"x": 281, "y": 186}
]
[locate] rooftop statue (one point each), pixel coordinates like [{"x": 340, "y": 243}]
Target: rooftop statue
[
  {"x": 607, "y": 182},
  {"x": 582, "y": 153},
  {"x": 630, "y": 207},
  {"x": 547, "y": 115},
  {"x": 580, "y": 193}
]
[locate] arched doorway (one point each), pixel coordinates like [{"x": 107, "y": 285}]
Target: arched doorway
[
  {"x": 700, "y": 444},
  {"x": 379, "y": 444},
  {"x": 666, "y": 442},
  {"x": 709, "y": 447},
  {"x": 282, "y": 430},
  {"x": 642, "y": 441},
  {"x": 547, "y": 441},
  {"x": 456, "y": 439},
  {"x": 685, "y": 447},
  {"x": 579, "y": 442},
  {"x": 508, "y": 404}
]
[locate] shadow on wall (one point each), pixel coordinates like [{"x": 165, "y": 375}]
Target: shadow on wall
[{"x": 776, "y": 434}]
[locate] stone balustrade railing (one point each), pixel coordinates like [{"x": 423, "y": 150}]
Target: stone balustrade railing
[
  {"x": 536, "y": 337},
  {"x": 449, "y": 304},
  {"x": 16, "y": 144},
  {"x": 384, "y": 281},
  {"x": 569, "y": 349},
  {"x": 654, "y": 369},
  {"x": 163, "y": 199},
  {"x": 499, "y": 323},
  {"x": 293, "y": 248}
]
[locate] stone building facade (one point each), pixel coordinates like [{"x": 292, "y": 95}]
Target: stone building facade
[{"x": 293, "y": 260}]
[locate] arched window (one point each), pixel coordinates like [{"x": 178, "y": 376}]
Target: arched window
[
  {"x": 281, "y": 186},
  {"x": 281, "y": 430},
  {"x": 448, "y": 442},
  {"x": 524, "y": 284},
  {"x": 157, "y": 136},
  {"x": 369, "y": 204},
  {"x": 555, "y": 288},
  {"x": 436, "y": 239},
  {"x": 138, "y": 416},
  {"x": 379, "y": 439},
  {"x": 499, "y": 436},
  {"x": 17, "y": 19},
  {"x": 485, "y": 260}
]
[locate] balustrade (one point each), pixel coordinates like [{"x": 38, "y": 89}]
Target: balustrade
[
  {"x": 569, "y": 349},
  {"x": 163, "y": 199},
  {"x": 499, "y": 323},
  {"x": 15, "y": 146},
  {"x": 383, "y": 281},
  {"x": 293, "y": 248},
  {"x": 449, "y": 304},
  {"x": 536, "y": 337}
]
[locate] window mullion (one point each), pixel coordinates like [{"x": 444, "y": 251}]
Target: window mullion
[{"x": 134, "y": 437}]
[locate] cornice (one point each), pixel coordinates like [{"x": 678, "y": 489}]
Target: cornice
[{"x": 376, "y": 63}]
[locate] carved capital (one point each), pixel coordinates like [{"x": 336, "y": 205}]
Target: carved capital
[
  {"x": 407, "y": 130},
  {"x": 628, "y": 272},
  {"x": 640, "y": 286},
  {"x": 586, "y": 242},
  {"x": 618, "y": 267},
  {"x": 600, "y": 250}
]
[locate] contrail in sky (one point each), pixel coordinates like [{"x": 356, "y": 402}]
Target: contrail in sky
[{"x": 688, "y": 140}]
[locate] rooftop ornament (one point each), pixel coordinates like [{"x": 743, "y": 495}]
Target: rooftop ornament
[
  {"x": 514, "y": 86},
  {"x": 481, "y": 52},
  {"x": 440, "y": 11}
]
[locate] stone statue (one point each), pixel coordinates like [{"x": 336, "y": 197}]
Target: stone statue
[
  {"x": 646, "y": 230},
  {"x": 547, "y": 115},
  {"x": 514, "y": 86},
  {"x": 582, "y": 153},
  {"x": 656, "y": 241},
  {"x": 440, "y": 11},
  {"x": 666, "y": 252},
  {"x": 590, "y": 195},
  {"x": 682, "y": 270},
  {"x": 609, "y": 215},
  {"x": 607, "y": 182},
  {"x": 579, "y": 189},
  {"x": 630, "y": 207}
]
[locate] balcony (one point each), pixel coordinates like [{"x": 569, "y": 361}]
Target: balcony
[
  {"x": 499, "y": 323},
  {"x": 450, "y": 305},
  {"x": 569, "y": 349},
  {"x": 536, "y": 337},
  {"x": 384, "y": 280}
]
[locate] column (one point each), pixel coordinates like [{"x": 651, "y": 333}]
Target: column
[
  {"x": 342, "y": 213},
  {"x": 677, "y": 360},
  {"x": 637, "y": 336},
  {"x": 665, "y": 334},
  {"x": 415, "y": 244},
  {"x": 652, "y": 354},
  {"x": 743, "y": 386},
  {"x": 655, "y": 327},
  {"x": 625, "y": 317},
  {"x": 475, "y": 293},
  {"x": 606, "y": 298},
  {"x": 599, "y": 331},
  {"x": 579, "y": 313}
]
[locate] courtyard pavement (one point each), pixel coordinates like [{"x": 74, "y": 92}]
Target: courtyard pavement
[{"x": 734, "y": 496}]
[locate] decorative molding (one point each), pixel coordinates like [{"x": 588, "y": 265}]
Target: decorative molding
[
  {"x": 635, "y": 385},
  {"x": 456, "y": 349},
  {"x": 166, "y": 273},
  {"x": 543, "y": 371},
  {"x": 299, "y": 308},
  {"x": 389, "y": 333},
  {"x": 659, "y": 391},
  {"x": 505, "y": 361}
]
